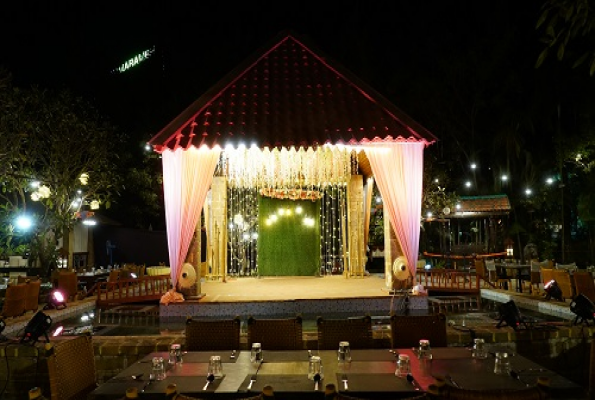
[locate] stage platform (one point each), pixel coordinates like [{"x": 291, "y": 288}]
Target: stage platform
[{"x": 273, "y": 296}]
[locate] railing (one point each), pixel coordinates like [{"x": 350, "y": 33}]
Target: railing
[
  {"x": 448, "y": 280},
  {"x": 132, "y": 290}
]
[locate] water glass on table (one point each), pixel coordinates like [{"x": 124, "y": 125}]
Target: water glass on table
[
  {"x": 344, "y": 352},
  {"x": 403, "y": 366},
  {"x": 502, "y": 364},
  {"x": 215, "y": 367},
  {"x": 315, "y": 368},
  {"x": 424, "y": 351},
  {"x": 175, "y": 354},
  {"x": 256, "y": 353},
  {"x": 479, "y": 349},
  {"x": 157, "y": 369}
]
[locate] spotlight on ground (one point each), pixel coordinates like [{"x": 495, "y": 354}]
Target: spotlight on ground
[
  {"x": 56, "y": 300},
  {"x": 553, "y": 291},
  {"x": 511, "y": 315},
  {"x": 37, "y": 326},
  {"x": 58, "y": 331},
  {"x": 584, "y": 309}
]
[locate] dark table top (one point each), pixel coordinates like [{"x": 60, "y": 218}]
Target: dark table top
[{"x": 370, "y": 374}]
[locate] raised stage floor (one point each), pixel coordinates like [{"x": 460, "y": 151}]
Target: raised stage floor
[{"x": 328, "y": 294}]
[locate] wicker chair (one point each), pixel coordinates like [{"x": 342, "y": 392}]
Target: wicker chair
[
  {"x": 114, "y": 275},
  {"x": 584, "y": 284},
  {"x": 482, "y": 273},
  {"x": 14, "y": 301},
  {"x": 32, "y": 295},
  {"x": 570, "y": 267},
  {"x": 407, "y": 330},
  {"x": 68, "y": 282},
  {"x": 202, "y": 335},
  {"x": 491, "y": 273},
  {"x": 356, "y": 331},
  {"x": 536, "y": 280},
  {"x": 276, "y": 334},
  {"x": 25, "y": 279},
  {"x": 71, "y": 369},
  {"x": 562, "y": 278},
  {"x": 547, "y": 275}
]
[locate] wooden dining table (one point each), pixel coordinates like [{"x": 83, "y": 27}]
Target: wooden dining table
[{"x": 370, "y": 374}]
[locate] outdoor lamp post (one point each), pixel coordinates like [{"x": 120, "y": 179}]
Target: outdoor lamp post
[{"x": 509, "y": 248}]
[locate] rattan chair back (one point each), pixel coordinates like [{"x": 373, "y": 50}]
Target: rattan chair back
[
  {"x": 562, "y": 278},
  {"x": 203, "y": 334},
  {"x": 114, "y": 275},
  {"x": 25, "y": 279},
  {"x": 356, "y": 331},
  {"x": 68, "y": 283},
  {"x": 32, "y": 295},
  {"x": 71, "y": 369},
  {"x": 14, "y": 300},
  {"x": 547, "y": 275},
  {"x": 570, "y": 267},
  {"x": 407, "y": 330},
  {"x": 276, "y": 334},
  {"x": 584, "y": 284}
]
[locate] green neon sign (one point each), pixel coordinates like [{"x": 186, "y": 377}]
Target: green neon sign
[{"x": 136, "y": 60}]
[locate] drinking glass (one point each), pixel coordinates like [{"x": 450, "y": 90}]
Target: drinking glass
[
  {"x": 344, "y": 352},
  {"x": 424, "y": 351},
  {"x": 502, "y": 364},
  {"x": 403, "y": 366},
  {"x": 157, "y": 369},
  {"x": 256, "y": 353},
  {"x": 175, "y": 354},
  {"x": 315, "y": 367},
  {"x": 215, "y": 367},
  {"x": 479, "y": 349}
]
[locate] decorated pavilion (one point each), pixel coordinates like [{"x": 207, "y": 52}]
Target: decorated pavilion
[{"x": 276, "y": 162}]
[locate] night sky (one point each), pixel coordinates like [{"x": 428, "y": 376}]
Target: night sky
[{"x": 397, "y": 47}]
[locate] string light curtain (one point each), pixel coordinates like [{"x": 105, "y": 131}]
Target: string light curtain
[
  {"x": 187, "y": 177},
  {"x": 288, "y": 169},
  {"x": 398, "y": 170}
]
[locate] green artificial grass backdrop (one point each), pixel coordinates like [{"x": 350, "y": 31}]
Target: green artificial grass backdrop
[{"x": 290, "y": 245}]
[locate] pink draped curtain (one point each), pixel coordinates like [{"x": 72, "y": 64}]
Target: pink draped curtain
[
  {"x": 187, "y": 177},
  {"x": 398, "y": 170}
]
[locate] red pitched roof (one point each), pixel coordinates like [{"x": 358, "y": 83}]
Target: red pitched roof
[
  {"x": 284, "y": 95},
  {"x": 483, "y": 205}
]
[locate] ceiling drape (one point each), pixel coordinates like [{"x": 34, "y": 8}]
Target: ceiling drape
[
  {"x": 187, "y": 177},
  {"x": 398, "y": 171}
]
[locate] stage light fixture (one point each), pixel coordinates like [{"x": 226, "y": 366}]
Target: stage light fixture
[
  {"x": 56, "y": 300},
  {"x": 37, "y": 326},
  {"x": 584, "y": 309},
  {"x": 58, "y": 331},
  {"x": 553, "y": 291},
  {"x": 511, "y": 315}
]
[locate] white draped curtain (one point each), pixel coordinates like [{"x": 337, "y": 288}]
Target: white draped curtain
[
  {"x": 398, "y": 170},
  {"x": 187, "y": 177}
]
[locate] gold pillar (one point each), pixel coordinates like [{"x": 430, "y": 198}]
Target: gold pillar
[
  {"x": 356, "y": 260},
  {"x": 218, "y": 238}
]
